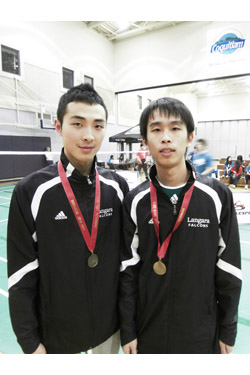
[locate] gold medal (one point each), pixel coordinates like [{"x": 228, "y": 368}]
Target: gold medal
[
  {"x": 93, "y": 260},
  {"x": 159, "y": 267}
]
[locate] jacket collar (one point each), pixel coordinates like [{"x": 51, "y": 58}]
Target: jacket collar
[
  {"x": 75, "y": 173},
  {"x": 153, "y": 174}
]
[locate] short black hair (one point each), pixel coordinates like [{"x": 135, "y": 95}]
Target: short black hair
[
  {"x": 84, "y": 93},
  {"x": 237, "y": 165},
  {"x": 168, "y": 106},
  {"x": 202, "y": 141}
]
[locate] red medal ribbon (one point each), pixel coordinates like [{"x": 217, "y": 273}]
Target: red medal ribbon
[
  {"x": 162, "y": 249},
  {"x": 90, "y": 240}
]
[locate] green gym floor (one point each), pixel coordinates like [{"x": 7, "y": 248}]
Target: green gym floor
[{"x": 8, "y": 343}]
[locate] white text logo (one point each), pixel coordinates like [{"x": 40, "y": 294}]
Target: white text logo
[{"x": 198, "y": 223}]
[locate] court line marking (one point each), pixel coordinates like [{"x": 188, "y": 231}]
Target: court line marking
[
  {"x": 245, "y": 322},
  {"x": 2, "y": 221},
  {"x": 5, "y": 294},
  {"x": 5, "y": 198},
  {"x": 247, "y": 242},
  {"x": 3, "y": 260}
]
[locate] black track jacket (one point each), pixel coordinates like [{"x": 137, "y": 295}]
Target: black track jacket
[
  {"x": 54, "y": 297},
  {"x": 196, "y": 301}
]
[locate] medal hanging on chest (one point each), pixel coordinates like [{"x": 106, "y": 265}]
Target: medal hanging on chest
[
  {"x": 93, "y": 260},
  {"x": 90, "y": 240},
  {"x": 159, "y": 267}
]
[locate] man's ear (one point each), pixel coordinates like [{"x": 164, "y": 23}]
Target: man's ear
[
  {"x": 144, "y": 141},
  {"x": 190, "y": 139},
  {"x": 58, "y": 127}
]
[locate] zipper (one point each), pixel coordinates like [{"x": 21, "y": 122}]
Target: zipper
[
  {"x": 174, "y": 209},
  {"x": 90, "y": 310},
  {"x": 174, "y": 201},
  {"x": 89, "y": 180}
]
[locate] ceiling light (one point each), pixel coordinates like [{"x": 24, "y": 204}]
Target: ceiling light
[{"x": 122, "y": 25}]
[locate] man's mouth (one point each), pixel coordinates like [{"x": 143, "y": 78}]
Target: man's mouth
[
  {"x": 86, "y": 148},
  {"x": 166, "y": 151}
]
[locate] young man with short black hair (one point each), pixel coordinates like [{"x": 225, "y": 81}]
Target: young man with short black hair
[
  {"x": 64, "y": 236},
  {"x": 202, "y": 160},
  {"x": 180, "y": 274}
]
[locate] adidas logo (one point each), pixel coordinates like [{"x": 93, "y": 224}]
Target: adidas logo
[
  {"x": 151, "y": 221},
  {"x": 61, "y": 216}
]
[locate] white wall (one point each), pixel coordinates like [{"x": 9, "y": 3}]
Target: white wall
[
  {"x": 224, "y": 107},
  {"x": 46, "y": 47},
  {"x": 182, "y": 54},
  {"x": 51, "y": 45},
  {"x": 176, "y": 54},
  {"x": 225, "y": 137}
]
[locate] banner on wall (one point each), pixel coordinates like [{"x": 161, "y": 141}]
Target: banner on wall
[
  {"x": 227, "y": 45},
  {"x": 242, "y": 207}
]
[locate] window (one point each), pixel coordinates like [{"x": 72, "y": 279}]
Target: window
[
  {"x": 139, "y": 101},
  {"x": 89, "y": 80},
  {"x": 10, "y": 60},
  {"x": 68, "y": 78}
]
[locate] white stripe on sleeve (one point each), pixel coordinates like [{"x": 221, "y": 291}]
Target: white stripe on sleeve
[
  {"x": 213, "y": 194},
  {"x": 17, "y": 276},
  {"x": 39, "y": 194},
  {"x": 221, "y": 244},
  {"x": 135, "y": 241},
  {"x": 44, "y": 187},
  {"x": 114, "y": 184},
  {"x": 135, "y": 256},
  {"x": 229, "y": 268},
  {"x": 135, "y": 202}
]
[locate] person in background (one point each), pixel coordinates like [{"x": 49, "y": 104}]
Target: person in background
[
  {"x": 110, "y": 162},
  {"x": 191, "y": 154},
  {"x": 142, "y": 155},
  {"x": 227, "y": 167},
  {"x": 64, "y": 236},
  {"x": 242, "y": 162},
  {"x": 202, "y": 160},
  {"x": 181, "y": 270},
  {"x": 247, "y": 176},
  {"x": 49, "y": 156},
  {"x": 236, "y": 173}
]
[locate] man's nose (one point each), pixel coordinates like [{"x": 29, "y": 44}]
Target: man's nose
[
  {"x": 87, "y": 134},
  {"x": 166, "y": 137}
]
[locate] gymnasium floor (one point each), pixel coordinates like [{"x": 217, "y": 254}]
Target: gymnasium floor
[{"x": 8, "y": 344}]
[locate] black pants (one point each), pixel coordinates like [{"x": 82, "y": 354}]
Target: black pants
[
  {"x": 144, "y": 166},
  {"x": 234, "y": 180},
  {"x": 247, "y": 177}
]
